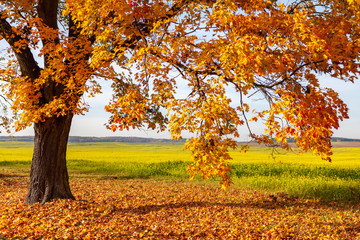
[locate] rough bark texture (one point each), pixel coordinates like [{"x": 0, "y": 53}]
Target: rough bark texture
[
  {"x": 49, "y": 177},
  {"x": 27, "y": 63}
]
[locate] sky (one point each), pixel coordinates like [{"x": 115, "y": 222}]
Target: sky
[{"x": 92, "y": 123}]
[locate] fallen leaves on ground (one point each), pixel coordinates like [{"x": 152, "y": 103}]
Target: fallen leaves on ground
[{"x": 170, "y": 209}]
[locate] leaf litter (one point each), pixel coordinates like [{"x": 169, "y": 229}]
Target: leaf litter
[{"x": 170, "y": 209}]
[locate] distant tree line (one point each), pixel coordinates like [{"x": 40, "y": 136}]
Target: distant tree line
[{"x": 77, "y": 139}]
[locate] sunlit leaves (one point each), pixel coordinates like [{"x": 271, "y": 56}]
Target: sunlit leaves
[{"x": 309, "y": 118}]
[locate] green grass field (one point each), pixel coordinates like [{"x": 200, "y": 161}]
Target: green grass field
[{"x": 299, "y": 175}]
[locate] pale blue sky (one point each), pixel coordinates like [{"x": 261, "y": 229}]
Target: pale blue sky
[{"x": 92, "y": 123}]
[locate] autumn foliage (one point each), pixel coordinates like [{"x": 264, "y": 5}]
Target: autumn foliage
[
  {"x": 259, "y": 48},
  {"x": 168, "y": 209},
  {"x": 174, "y": 64}
]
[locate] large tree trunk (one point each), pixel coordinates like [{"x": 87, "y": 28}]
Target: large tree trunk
[{"x": 49, "y": 177}]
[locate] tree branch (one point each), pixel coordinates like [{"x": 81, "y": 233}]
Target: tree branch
[
  {"x": 28, "y": 66},
  {"x": 147, "y": 27},
  {"x": 47, "y": 11}
]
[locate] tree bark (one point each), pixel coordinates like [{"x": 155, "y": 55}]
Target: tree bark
[{"x": 49, "y": 177}]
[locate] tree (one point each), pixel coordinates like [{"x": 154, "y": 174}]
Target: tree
[{"x": 148, "y": 48}]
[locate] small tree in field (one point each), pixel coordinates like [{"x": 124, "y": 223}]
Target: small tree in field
[{"x": 148, "y": 48}]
